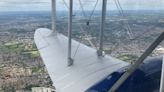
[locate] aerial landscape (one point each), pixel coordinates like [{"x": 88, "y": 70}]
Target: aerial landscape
[{"x": 21, "y": 66}]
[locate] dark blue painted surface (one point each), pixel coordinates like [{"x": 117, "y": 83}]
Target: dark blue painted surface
[{"x": 145, "y": 79}]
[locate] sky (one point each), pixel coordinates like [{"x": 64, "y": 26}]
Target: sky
[{"x": 45, "y": 5}]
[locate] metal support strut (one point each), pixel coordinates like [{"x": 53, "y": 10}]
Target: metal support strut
[
  {"x": 70, "y": 60},
  {"x": 100, "y": 50},
  {"x": 162, "y": 77},
  {"x": 137, "y": 63},
  {"x": 53, "y": 15}
]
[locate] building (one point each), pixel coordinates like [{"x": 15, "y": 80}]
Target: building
[
  {"x": 42, "y": 89},
  {"x": 159, "y": 50}
]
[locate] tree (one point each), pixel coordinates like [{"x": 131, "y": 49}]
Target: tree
[{"x": 9, "y": 89}]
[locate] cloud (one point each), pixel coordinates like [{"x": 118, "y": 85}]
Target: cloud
[
  {"x": 141, "y": 4},
  {"x": 16, "y": 2},
  {"x": 34, "y": 5},
  {"x": 24, "y": 5}
]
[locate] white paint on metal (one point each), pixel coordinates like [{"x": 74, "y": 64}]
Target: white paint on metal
[
  {"x": 70, "y": 60},
  {"x": 87, "y": 70},
  {"x": 104, "y": 6}
]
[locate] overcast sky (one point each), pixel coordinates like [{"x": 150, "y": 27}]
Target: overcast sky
[{"x": 44, "y": 5}]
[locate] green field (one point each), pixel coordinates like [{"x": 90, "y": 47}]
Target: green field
[
  {"x": 17, "y": 47},
  {"x": 128, "y": 58}
]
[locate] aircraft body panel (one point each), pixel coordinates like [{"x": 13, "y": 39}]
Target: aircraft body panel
[
  {"x": 87, "y": 70},
  {"x": 145, "y": 79}
]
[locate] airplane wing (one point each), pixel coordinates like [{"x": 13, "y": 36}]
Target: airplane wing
[{"x": 87, "y": 70}]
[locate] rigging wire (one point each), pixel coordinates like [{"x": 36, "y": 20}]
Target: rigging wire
[
  {"x": 127, "y": 27},
  {"x": 84, "y": 13},
  {"x": 81, "y": 29},
  {"x": 117, "y": 2},
  {"x": 125, "y": 24},
  {"x": 66, "y": 5},
  {"x": 88, "y": 20},
  {"x": 130, "y": 31},
  {"x": 93, "y": 11},
  {"x": 78, "y": 46},
  {"x": 82, "y": 8}
]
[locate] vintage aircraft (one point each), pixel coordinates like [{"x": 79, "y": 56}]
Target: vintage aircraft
[{"x": 91, "y": 70}]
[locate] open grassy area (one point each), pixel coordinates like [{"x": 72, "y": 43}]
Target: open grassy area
[
  {"x": 108, "y": 51},
  {"x": 17, "y": 47},
  {"x": 31, "y": 54},
  {"x": 128, "y": 58},
  {"x": 13, "y": 44}
]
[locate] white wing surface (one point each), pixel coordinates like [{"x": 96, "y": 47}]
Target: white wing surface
[{"x": 87, "y": 69}]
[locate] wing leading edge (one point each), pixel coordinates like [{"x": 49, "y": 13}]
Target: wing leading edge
[{"x": 87, "y": 70}]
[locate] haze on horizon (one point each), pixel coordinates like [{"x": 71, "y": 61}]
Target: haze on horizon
[{"x": 45, "y": 5}]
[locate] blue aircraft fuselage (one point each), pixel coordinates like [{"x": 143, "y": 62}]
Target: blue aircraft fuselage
[{"x": 145, "y": 79}]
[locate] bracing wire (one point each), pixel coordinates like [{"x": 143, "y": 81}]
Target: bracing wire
[
  {"x": 84, "y": 13},
  {"x": 65, "y": 4},
  {"x": 125, "y": 23},
  {"x": 127, "y": 27},
  {"x": 82, "y": 8},
  {"x": 117, "y": 2},
  {"x": 88, "y": 20},
  {"x": 78, "y": 46},
  {"x": 81, "y": 29},
  {"x": 90, "y": 42},
  {"x": 93, "y": 11}
]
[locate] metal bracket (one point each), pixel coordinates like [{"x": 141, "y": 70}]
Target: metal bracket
[{"x": 70, "y": 61}]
